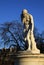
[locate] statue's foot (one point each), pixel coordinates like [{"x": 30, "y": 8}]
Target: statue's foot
[
  {"x": 35, "y": 51},
  {"x": 28, "y": 49}
]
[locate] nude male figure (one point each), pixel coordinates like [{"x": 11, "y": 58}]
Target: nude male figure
[{"x": 28, "y": 22}]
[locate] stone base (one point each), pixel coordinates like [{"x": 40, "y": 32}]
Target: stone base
[
  {"x": 22, "y": 58},
  {"x": 28, "y": 58}
]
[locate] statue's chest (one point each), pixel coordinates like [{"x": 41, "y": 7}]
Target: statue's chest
[{"x": 27, "y": 19}]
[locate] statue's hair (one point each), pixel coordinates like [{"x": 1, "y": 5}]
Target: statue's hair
[{"x": 25, "y": 11}]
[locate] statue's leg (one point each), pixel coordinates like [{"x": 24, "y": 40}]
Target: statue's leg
[
  {"x": 34, "y": 48},
  {"x": 29, "y": 41},
  {"x": 33, "y": 41}
]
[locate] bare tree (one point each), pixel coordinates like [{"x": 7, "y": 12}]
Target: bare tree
[{"x": 12, "y": 33}]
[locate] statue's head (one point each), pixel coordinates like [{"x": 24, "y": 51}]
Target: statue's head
[
  {"x": 24, "y": 11},
  {"x": 24, "y": 14}
]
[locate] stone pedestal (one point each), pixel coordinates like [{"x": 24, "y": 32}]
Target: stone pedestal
[
  {"x": 28, "y": 58},
  {"x": 22, "y": 58}
]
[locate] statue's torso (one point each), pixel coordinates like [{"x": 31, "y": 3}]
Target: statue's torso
[{"x": 27, "y": 21}]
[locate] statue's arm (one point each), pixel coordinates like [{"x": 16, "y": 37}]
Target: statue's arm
[{"x": 32, "y": 21}]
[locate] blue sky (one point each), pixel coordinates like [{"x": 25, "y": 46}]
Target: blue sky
[{"x": 11, "y": 10}]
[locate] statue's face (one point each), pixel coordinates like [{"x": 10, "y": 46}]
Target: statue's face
[{"x": 24, "y": 14}]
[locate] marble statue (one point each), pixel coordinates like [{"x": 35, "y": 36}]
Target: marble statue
[{"x": 28, "y": 23}]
